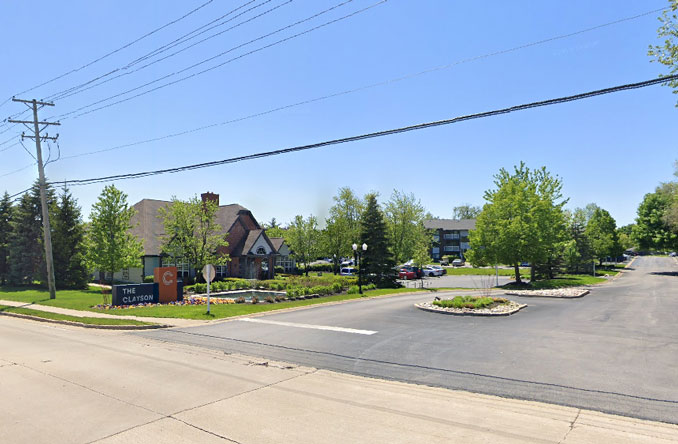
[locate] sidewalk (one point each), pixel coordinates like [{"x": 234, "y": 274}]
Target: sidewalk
[
  {"x": 173, "y": 322},
  {"x": 73, "y": 386}
]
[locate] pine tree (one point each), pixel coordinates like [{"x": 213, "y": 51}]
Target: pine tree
[
  {"x": 5, "y": 233},
  {"x": 68, "y": 244},
  {"x": 377, "y": 262},
  {"x": 26, "y": 248}
]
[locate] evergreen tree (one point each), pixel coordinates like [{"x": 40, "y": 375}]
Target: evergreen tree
[
  {"x": 377, "y": 262},
  {"x": 68, "y": 244},
  {"x": 26, "y": 247},
  {"x": 5, "y": 233}
]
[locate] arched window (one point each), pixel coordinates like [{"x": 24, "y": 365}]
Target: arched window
[{"x": 261, "y": 250}]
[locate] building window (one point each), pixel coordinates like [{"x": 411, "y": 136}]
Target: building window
[
  {"x": 451, "y": 235},
  {"x": 464, "y": 233},
  {"x": 261, "y": 251},
  {"x": 436, "y": 250},
  {"x": 436, "y": 238},
  {"x": 221, "y": 271},
  {"x": 183, "y": 268},
  {"x": 465, "y": 246},
  {"x": 451, "y": 248}
]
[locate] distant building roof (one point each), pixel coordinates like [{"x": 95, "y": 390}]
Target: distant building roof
[
  {"x": 450, "y": 224},
  {"x": 149, "y": 227}
]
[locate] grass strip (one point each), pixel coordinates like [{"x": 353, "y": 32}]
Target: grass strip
[
  {"x": 63, "y": 317},
  {"x": 85, "y": 299}
]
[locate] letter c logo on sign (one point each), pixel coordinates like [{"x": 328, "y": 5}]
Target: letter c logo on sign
[{"x": 167, "y": 278}]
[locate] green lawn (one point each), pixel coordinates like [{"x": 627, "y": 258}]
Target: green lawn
[
  {"x": 62, "y": 317},
  {"x": 566, "y": 280},
  {"x": 85, "y": 299},
  {"x": 460, "y": 271}
]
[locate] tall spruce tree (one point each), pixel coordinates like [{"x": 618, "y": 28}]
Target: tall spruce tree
[
  {"x": 377, "y": 262},
  {"x": 26, "y": 249},
  {"x": 68, "y": 243},
  {"x": 5, "y": 233}
]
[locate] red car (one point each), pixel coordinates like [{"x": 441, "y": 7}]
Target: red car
[{"x": 409, "y": 273}]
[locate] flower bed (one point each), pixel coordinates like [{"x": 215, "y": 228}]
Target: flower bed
[
  {"x": 554, "y": 293},
  {"x": 472, "y": 306}
]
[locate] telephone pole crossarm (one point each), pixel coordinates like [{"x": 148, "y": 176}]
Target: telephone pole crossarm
[{"x": 36, "y": 102}]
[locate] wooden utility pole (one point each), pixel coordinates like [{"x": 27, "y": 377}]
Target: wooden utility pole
[{"x": 33, "y": 104}]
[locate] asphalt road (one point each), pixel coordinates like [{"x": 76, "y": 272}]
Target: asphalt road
[
  {"x": 459, "y": 281},
  {"x": 615, "y": 350}
]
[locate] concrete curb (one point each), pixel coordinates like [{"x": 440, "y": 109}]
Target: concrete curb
[
  {"x": 536, "y": 295},
  {"x": 466, "y": 313},
  {"x": 80, "y": 324}
]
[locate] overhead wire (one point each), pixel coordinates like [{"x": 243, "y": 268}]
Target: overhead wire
[
  {"x": 115, "y": 51},
  {"x": 376, "y": 134},
  {"x": 195, "y": 74},
  {"x": 89, "y": 84},
  {"x": 369, "y": 86}
]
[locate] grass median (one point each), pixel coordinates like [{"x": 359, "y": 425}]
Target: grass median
[
  {"x": 63, "y": 317},
  {"x": 86, "y": 299}
]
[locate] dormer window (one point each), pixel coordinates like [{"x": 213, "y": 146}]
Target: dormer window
[{"x": 261, "y": 251}]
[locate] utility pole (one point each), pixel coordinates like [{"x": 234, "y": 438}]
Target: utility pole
[{"x": 33, "y": 104}]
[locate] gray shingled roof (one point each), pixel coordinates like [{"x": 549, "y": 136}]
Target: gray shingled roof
[
  {"x": 277, "y": 242},
  {"x": 450, "y": 224},
  {"x": 148, "y": 226}
]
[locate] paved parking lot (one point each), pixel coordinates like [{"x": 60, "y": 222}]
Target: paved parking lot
[{"x": 467, "y": 281}]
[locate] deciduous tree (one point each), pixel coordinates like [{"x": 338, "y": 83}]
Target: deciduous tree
[
  {"x": 405, "y": 222},
  {"x": 466, "y": 211},
  {"x": 192, "y": 233},
  {"x": 303, "y": 238},
  {"x": 667, "y": 53},
  {"x": 111, "y": 246},
  {"x": 523, "y": 220}
]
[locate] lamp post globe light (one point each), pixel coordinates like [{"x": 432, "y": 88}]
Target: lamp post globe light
[{"x": 357, "y": 254}]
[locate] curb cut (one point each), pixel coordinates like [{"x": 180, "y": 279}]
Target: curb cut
[
  {"x": 434, "y": 310},
  {"x": 80, "y": 324},
  {"x": 581, "y": 295}
]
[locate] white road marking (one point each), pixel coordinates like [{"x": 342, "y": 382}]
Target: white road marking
[{"x": 315, "y": 327}]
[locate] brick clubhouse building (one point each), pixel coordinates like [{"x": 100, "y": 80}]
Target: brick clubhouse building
[{"x": 252, "y": 253}]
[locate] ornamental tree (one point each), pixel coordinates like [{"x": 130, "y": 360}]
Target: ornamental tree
[
  {"x": 523, "y": 220},
  {"x": 110, "y": 244}
]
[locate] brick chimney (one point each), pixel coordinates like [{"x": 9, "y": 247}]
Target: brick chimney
[{"x": 209, "y": 196}]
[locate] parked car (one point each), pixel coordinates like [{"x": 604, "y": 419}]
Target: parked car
[
  {"x": 672, "y": 254},
  {"x": 348, "y": 271},
  {"x": 410, "y": 273},
  {"x": 457, "y": 262},
  {"x": 438, "y": 267},
  {"x": 430, "y": 271},
  {"x": 348, "y": 263}
]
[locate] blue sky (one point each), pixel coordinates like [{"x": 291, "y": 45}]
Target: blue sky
[{"x": 609, "y": 150}]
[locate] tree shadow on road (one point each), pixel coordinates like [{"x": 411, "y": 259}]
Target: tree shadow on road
[{"x": 665, "y": 273}]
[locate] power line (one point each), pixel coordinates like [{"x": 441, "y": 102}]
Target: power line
[
  {"x": 110, "y": 53},
  {"x": 370, "y": 86},
  {"x": 84, "y": 86},
  {"x": 17, "y": 170},
  {"x": 64, "y": 116},
  {"x": 8, "y": 147},
  {"x": 376, "y": 134}
]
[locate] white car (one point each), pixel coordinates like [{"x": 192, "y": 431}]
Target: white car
[
  {"x": 432, "y": 271},
  {"x": 348, "y": 271}
]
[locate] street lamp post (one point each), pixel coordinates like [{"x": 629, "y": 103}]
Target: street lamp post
[{"x": 357, "y": 254}]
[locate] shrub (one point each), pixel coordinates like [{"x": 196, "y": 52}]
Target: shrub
[
  {"x": 240, "y": 300},
  {"x": 200, "y": 288},
  {"x": 353, "y": 289},
  {"x": 149, "y": 279},
  {"x": 255, "y": 300},
  {"x": 279, "y": 298},
  {"x": 279, "y": 269},
  {"x": 270, "y": 299},
  {"x": 473, "y": 302}
]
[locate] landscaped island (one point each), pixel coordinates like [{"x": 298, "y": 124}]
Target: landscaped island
[{"x": 472, "y": 306}]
